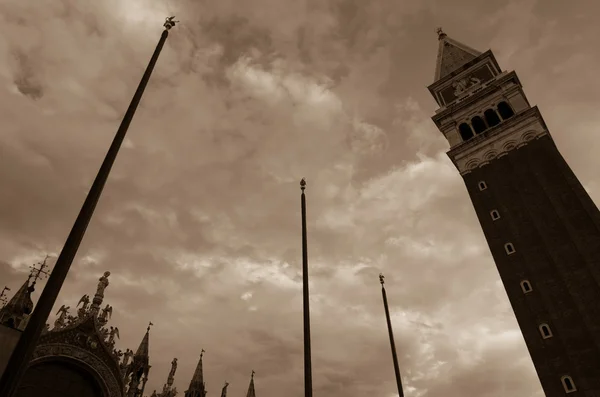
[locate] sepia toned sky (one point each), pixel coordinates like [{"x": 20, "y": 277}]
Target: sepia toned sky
[{"x": 199, "y": 222}]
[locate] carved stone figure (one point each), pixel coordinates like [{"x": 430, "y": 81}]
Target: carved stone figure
[
  {"x": 71, "y": 319},
  {"x": 460, "y": 86},
  {"x": 173, "y": 368},
  {"x": 102, "y": 284},
  {"x": 106, "y": 314},
  {"x": 62, "y": 315},
  {"x": 114, "y": 331},
  {"x": 104, "y": 333},
  {"x": 126, "y": 356},
  {"x": 84, "y": 302}
]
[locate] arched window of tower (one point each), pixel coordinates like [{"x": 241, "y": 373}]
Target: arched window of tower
[
  {"x": 568, "y": 384},
  {"x": 482, "y": 185},
  {"x": 505, "y": 110},
  {"x": 491, "y": 117},
  {"x": 478, "y": 124},
  {"x": 495, "y": 215},
  {"x": 466, "y": 132},
  {"x": 526, "y": 286},
  {"x": 545, "y": 331},
  {"x": 509, "y": 248}
]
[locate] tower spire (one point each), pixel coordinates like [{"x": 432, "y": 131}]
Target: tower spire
[
  {"x": 143, "y": 349},
  {"x": 305, "y": 299},
  {"x": 197, "y": 386},
  {"x": 21, "y": 355},
  {"x": 251, "y": 392},
  {"x": 451, "y": 55},
  {"x": 391, "y": 333},
  {"x": 18, "y": 307},
  {"x": 139, "y": 367},
  {"x": 224, "y": 390}
]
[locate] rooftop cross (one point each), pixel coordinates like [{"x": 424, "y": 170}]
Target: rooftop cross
[{"x": 39, "y": 273}]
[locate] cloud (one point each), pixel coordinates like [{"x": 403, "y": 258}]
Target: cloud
[{"x": 199, "y": 221}]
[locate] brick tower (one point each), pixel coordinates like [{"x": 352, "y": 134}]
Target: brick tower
[{"x": 542, "y": 228}]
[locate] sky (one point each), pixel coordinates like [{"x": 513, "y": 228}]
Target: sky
[{"x": 199, "y": 223}]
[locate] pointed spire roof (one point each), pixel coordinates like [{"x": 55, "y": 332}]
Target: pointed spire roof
[
  {"x": 451, "y": 55},
  {"x": 143, "y": 349},
  {"x": 224, "y": 390},
  {"x": 251, "y": 391},
  {"x": 19, "y": 305},
  {"x": 197, "y": 386}
]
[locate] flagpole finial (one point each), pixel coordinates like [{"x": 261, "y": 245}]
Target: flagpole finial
[
  {"x": 381, "y": 278},
  {"x": 149, "y": 325},
  {"x": 170, "y": 22},
  {"x": 303, "y": 184}
]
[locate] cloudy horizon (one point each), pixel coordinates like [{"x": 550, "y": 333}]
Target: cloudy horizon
[{"x": 199, "y": 222}]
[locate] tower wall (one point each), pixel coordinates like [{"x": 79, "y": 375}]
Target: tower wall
[{"x": 554, "y": 227}]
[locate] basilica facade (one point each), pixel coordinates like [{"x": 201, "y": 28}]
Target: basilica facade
[{"x": 77, "y": 357}]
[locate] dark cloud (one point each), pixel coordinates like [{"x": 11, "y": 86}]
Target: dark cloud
[{"x": 199, "y": 222}]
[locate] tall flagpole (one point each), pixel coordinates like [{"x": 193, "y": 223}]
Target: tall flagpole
[
  {"x": 21, "y": 355},
  {"x": 305, "y": 296},
  {"x": 392, "y": 344}
]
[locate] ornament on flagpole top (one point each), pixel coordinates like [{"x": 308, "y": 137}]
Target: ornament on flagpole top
[{"x": 170, "y": 22}]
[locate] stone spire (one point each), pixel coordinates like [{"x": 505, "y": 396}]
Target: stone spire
[
  {"x": 168, "y": 389},
  {"x": 451, "y": 55},
  {"x": 251, "y": 392},
  {"x": 224, "y": 390},
  {"x": 139, "y": 368},
  {"x": 197, "y": 386},
  {"x": 142, "y": 351},
  {"x": 18, "y": 307}
]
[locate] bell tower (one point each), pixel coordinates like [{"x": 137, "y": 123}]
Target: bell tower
[{"x": 542, "y": 228}]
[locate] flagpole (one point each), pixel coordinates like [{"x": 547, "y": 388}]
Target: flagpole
[
  {"x": 21, "y": 355},
  {"x": 305, "y": 296},
  {"x": 391, "y": 333}
]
